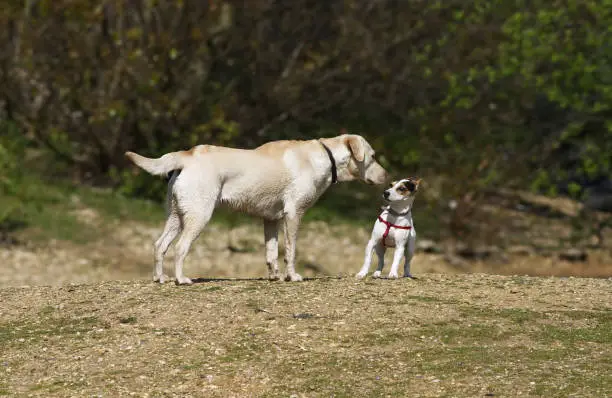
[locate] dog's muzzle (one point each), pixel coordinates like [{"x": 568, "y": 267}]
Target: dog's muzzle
[{"x": 386, "y": 194}]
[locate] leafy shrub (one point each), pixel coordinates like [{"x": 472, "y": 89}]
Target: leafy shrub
[{"x": 12, "y": 150}]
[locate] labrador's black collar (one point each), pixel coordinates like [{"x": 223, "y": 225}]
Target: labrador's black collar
[{"x": 334, "y": 170}]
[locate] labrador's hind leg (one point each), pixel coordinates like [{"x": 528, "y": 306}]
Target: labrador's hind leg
[
  {"x": 196, "y": 199},
  {"x": 171, "y": 231}
]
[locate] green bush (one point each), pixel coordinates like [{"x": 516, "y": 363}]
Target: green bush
[
  {"x": 486, "y": 93},
  {"x": 12, "y": 150}
]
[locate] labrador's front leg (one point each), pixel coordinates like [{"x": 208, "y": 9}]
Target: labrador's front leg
[
  {"x": 292, "y": 223},
  {"x": 271, "y": 237}
]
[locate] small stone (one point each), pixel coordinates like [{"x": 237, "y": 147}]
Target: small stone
[{"x": 304, "y": 315}]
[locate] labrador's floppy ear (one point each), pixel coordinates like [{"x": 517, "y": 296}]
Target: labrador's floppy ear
[{"x": 355, "y": 145}]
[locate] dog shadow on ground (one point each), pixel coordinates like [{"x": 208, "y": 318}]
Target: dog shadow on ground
[
  {"x": 306, "y": 279},
  {"x": 208, "y": 280}
]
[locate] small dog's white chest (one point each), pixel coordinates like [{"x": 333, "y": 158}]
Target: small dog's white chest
[
  {"x": 393, "y": 240},
  {"x": 391, "y": 235},
  {"x": 389, "y": 241}
]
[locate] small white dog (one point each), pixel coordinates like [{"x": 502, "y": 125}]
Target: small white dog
[{"x": 394, "y": 228}]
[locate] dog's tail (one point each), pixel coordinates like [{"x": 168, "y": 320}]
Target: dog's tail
[{"x": 160, "y": 166}]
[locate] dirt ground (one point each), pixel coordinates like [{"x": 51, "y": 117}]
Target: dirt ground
[{"x": 440, "y": 335}]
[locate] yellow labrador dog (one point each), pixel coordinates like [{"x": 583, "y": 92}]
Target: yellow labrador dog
[{"x": 277, "y": 181}]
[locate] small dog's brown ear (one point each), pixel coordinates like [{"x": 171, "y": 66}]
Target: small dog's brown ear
[{"x": 355, "y": 145}]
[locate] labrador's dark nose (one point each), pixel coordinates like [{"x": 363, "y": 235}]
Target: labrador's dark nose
[{"x": 386, "y": 194}]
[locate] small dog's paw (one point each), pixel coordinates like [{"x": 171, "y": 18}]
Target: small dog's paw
[
  {"x": 274, "y": 276},
  {"x": 393, "y": 275},
  {"x": 293, "y": 277},
  {"x": 361, "y": 275},
  {"x": 376, "y": 274},
  {"x": 183, "y": 280},
  {"x": 409, "y": 276},
  {"x": 160, "y": 278}
]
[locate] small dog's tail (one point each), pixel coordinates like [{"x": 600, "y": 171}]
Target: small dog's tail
[{"x": 160, "y": 166}]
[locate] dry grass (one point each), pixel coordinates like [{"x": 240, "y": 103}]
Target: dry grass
[{"x": 440, "y": 335}]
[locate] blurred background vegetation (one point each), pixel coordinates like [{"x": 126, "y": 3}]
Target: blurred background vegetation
[{"x": 475, "y": 96}]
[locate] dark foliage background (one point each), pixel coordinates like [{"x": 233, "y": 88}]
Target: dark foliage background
[{"x": 474, "y": 95}]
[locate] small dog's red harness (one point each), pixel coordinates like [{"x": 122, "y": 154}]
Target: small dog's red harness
[{"x": 389, "y": 225}]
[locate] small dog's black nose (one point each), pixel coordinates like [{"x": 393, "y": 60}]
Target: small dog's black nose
[{"x": 386, "y": 194}]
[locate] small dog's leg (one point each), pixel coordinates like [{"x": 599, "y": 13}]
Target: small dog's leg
[
  {"x": 409, "y": 254},
  {"x": 380, "y": 253},
  {"x": 171, "y": 230},
  {"x": 292, "y": 224},
  {"x": 367, "y": 259},
  {"x": 271, "y": 237},
  {"x": 397, "y": 258}
]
